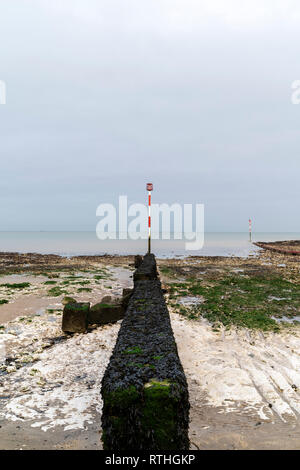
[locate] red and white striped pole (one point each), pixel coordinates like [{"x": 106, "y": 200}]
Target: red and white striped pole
[
  {"x": 250, "y": 229},
  {"x": 149, "y": 189}
]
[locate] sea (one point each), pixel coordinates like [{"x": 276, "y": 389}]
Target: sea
[{"x": 86, "y": 243}]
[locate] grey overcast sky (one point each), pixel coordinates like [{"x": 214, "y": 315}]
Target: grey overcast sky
[{"x": 193, "y": 95}]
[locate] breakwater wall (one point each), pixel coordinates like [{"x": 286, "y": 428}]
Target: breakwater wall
[
  {"x": 144, "y": 389},
  {"x": 277, "y": 249}
]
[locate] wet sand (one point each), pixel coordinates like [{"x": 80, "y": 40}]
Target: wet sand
[{"x": 233, "y": 377}]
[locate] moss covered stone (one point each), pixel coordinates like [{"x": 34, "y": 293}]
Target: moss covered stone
[
  {"x": 103, "y": 313},
  {"x": 75, "y": 317}
]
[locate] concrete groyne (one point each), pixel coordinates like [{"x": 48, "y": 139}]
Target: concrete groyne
[{"x": 144, "y": 389}]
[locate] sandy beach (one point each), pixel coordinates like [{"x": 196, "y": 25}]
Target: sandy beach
[{"x": 243, "y": 381}]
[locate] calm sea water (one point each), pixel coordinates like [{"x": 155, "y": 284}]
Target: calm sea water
[{"x": 87, "y": 243}]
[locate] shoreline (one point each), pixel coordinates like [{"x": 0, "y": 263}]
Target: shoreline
[
  {"x": 285, "y": 247},
  {"x": 72, "y": 244},
  {"x": 17, "y": 261}
]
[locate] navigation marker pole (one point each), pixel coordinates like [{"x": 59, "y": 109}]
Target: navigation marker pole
[
  {"x": 250, "y": 230},
  {"x": 149, "y": 189}
]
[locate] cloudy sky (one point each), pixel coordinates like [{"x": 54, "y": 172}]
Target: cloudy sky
[{"x": 193, "y": 95}]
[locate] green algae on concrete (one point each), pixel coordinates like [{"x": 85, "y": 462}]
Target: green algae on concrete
[
  {"x": 151, "y": 411},
  {"x": 159, "y": 413}
]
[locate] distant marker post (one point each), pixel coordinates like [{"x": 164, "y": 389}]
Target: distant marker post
[
  {"x": 250, "y": 230},
  {"x": 149, "y": 189}
]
